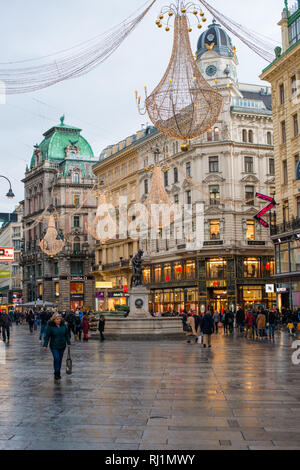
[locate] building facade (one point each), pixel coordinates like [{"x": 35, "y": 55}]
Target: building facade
[
  {"x": 11, "y": 278},
  {"x": 222, "y": 171},
  {"x": 284, "y": 75},
  {"x": 60, "y": 176}
]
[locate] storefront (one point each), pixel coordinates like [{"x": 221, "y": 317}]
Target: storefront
[
  {"x": 76, "y": 295},
  {"x": 252, "y": 296},
  {"x": 217, "y": 298},
  {"x": 115, "y": 298},
  {"x": 167, "y": 300}
]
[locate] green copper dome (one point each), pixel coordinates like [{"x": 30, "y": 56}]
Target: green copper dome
[{"x": 63, "y": 142}]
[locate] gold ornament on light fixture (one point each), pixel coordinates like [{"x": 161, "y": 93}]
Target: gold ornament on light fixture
[{"x": 186, "y": 105}]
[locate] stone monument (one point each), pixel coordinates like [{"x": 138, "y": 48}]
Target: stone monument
[{"x": 139, "y": 294}]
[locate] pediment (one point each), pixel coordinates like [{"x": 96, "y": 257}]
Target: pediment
[
  {"x": 213, "y": 210},
  {"x": 174, "y": 189},
  {"x": 213, "y": 178},
  {"x": 250, "y": 179},
  {"x": 251, "y": 211}
]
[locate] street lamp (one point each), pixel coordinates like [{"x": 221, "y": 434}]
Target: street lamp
[{"x": 10, "y": 193}]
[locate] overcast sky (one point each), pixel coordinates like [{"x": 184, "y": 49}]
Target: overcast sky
[{"x": 102, "y": 103}]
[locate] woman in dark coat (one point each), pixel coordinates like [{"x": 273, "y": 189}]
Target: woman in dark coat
[
  {"x": 58, "y": 335},
  {"x": 30, "y": 320},
  {"x": 207, "y": 328},
  {"x": 101, "y": 327},
  {"x": 85, "y": 327}
]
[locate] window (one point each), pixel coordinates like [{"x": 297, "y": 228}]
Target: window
[
  {"x": 245, "y": 135},
  {"x": 249, "y": 194},
  {"x": 167, "y": 273},
  {"x": 285, "y": 172},
  {"x": 176, "y": 199},
  {"x": 55, "y": 269},
  {"x": 209, "y": 135},
  {"x": 147, "y": 276},
  {"x": 117, "y": 172},
  {"x": 213, "y": 164},
  {"x": 190, "y": 270},
  {"x": 110, "y": 176},
  {"x": 252, "y": 267},
  {"x": 283, "y": 132},
  {"x": 250, "y": 234},
  {"x": 285, "y": 211},
  {"x": 175, "y": 175},
  {"x": 216, "y": 133},
  {"x": 271, "y": 166},
  {"x": 17, "y": 244},
  {"x": 298, "y": 207},
  {"x": 214, "y": 192},
  {"x": 124, "y": 168},
  {"x": 294, "y": 85},
  {"x": 75, "y": 178},
  {"x": 178, "y": 271},
  {"x": 39, "y": 270},
  {"x": 214, "y": 229},
  {"x": 76, "y": 245},
  {"x": 157, "y": 274},
  {"x": 250, "y": 136},
  {"x": 76, "y": 200},
  {"x": 166, "y": 178},
  {"x": 269, "y": 138},
  {"x": 76, "y": 268},
  {"x": 216, "y": 268},
  {"x": 57, "y": 289},
  {"x": 146, "y": 186},
  {"x": 76, "y": 221},
  {"x": 188, "y": 169},
  {"x": 249, "y": 167},
  {"x": 296, "y": 127},
  {"x": 188, "y": 197},
  {"x": 281, "y": 93}
]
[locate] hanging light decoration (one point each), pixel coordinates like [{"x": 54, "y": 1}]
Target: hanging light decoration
[
  {"x": 183, "y": 105},
  {"x": 103, "y": 227},
  {"x": 53, "y": 241}
]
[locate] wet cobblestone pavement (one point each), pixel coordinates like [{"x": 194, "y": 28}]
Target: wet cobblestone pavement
[{"x": 166, "y": 395}]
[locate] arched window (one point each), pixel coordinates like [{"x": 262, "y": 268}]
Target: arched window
[
  {"x": 216, "y": 133},
  {"x": 245, "y": 135},
  {"x": 250, "y": 137},
  {"x": 76, "y": 245},
  {"x": 269, "y": 138},
  {"x": 209, "y": 135},
  {"x": 75, "y": 178}
]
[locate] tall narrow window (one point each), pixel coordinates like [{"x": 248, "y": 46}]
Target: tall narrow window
[
  {"x": 146, "y": 186},
  {"x": 294, "y": 85},
  {"x": 283, "y": 132},
  {"x": 269, "y": 138},
  {"x": 285, "y": 172},
  {"x": 250, "y": 234},
  {"x": 189, "y": 197},
  {"x": 249, "y": 167},
  {"x": 188, "y": 169},
  {"x": 176, "y": 199},
  {"x": 76, "y": 221},
  {"x": 214, "y": 229},
  {"x": 245, "y": 135},
  {"x": 209, "y": 135},
  {"x": 250, "y": 136},
  {"x": 214, "y": 192},
  {"x": 271, "y": 166},
  {"x": 285, "y": 211},
  {"x": 216, "y": 133},
  {"x": 296, "y": 126},
  {"x": 76, "y": 178},
  {"x": 249, "y": 194},
  {"x": 175, "y": 175},
  {"x": 281, "y": 93},
  {"x": 213, "y": 164},
  {"x": 166, "y": 178}
]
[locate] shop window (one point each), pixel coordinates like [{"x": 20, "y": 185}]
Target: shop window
[
  {"x": 167, "y": 273},
  {"x": 214, "y": 192},
  {"x": 295, "y": 259},
  {"x": 214, "y": 229},
  {"x": 270, "y": 268},
  {"x": 252, "y": 294},
  {"x": 252, "y": 267},
  {"x": 190, "y": 270},
  {"x": 250, "y": 235},
  {"x": 178, "y": 272},
  {"x": 216, "y": 268},
  {"x": 157, "y": 274},
  {"x": 213, "y": 164},
  {"x": 249, "y": 166},
  {"x": 147, "y": 276},
  {"x": 76, "y": 288}
]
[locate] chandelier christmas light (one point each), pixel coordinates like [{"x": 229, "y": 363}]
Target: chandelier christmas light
[
  {"x": 103, "y": 227},
  {"x": 183, "y": 105},
  {"x": 53, "y": 241}
]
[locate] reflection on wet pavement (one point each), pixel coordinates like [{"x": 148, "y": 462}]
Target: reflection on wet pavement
[{"x": 151, "y": 395}]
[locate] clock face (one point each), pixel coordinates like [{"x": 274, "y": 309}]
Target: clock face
[
  {"x": 210, "y": 37},
  {"x": 211, "y": 70}
]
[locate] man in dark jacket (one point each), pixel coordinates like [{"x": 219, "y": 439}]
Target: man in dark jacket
[
  {"x": 272, "y": 324},
  {"x": 240, "y": 319},
  {"x": 44, "y": 318},
  {"x": 207, "y": 328},
  {"x": 5, "y": 324}
]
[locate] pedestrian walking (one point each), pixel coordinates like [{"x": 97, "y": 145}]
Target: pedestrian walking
[
  {"x": 11, "y": 315},
  {"x": 85, "y": 328},
  {"x": 30, "y": 320},
  {"x": 216, "y": 319},
  {"x": 5, "y": 324},
  {"x": 272, "y": 324},
  {"x": 70, "y": 319},
  {"x": 240, "y": 319},
  {"x": 78, "y": 327},
  {"x": 57, "y": 334},
  {"x": 101, "y": 327},
  {"x": 207, "y": 328},
  {"x": 261, "y": 324}
]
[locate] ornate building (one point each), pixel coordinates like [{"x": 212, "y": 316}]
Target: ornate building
[
  {"x": 222, "y": 170},
  {"x": 60, "y": 175},
  {"x": 284, "y": 76}
]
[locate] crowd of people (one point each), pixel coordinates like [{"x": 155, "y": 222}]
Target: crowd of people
[{"x": 257, "y": 323}]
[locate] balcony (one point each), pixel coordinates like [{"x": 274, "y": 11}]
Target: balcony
[
  {"x": 285, "y": 227},
  {"x": 112, "y": 266}
]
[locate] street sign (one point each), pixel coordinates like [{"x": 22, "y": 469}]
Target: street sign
[
  {"x": 4, "y": 273},
  {"x": 6, "y": 254}
]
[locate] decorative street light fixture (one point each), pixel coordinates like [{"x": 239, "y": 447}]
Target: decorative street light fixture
[{"x": 10, "y": 193}]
